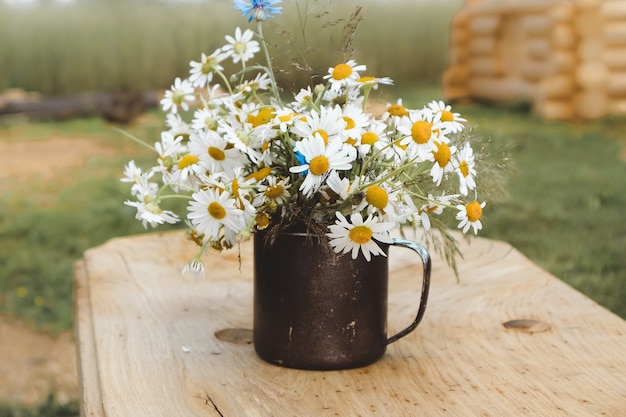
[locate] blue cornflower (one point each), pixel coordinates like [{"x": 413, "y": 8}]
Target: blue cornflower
[
  {"x": 301, "y": 159},
  {"x": 258, "y": 9}
]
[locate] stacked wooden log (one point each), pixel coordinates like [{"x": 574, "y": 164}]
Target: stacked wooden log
[{"x": 565, "y": 57}]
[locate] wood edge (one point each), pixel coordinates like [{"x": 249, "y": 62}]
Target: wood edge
[{"x": 89, "y": 378}]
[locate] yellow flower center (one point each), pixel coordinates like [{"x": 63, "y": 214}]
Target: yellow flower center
[
  {"x": 369, "y": 138},
  {"x": 263, "y": 117},
  {"x": 377, "y": 196},
  {"x": 442, "y": 154},
  {"x": 447, "y": 116},
  {"x": 351, "y": 141},
  {"x": 262, "y": 220},
  {"x": 216, "y": 210},
  {"x": 323, "y": 134},
  {"x": 361, "y": 234},
  {"x": 260, "y": 174},
  {"x": 178, "y": 96},
  {"x": 349, "y": 122},
  {"x": 474, "y": 211},
  {"x": 209, "y": 65},
  {"x": 397, "y": 110},
  {"x": 421, "y": 131},
  {"x": 286, "y": 117},
  {"x": 342, "y": 71},
  {"x": 239, "y": 48},
  {"x": 464, "y": 168},
  {"x": 235, "y": 187},
  {"x": 274, "y": 191},
  {"x": 366, "y": 79},
  {"x": 216, "y": 153},
  {"x": 187, "y": 160},
  {"x": 319, "y": 165}
]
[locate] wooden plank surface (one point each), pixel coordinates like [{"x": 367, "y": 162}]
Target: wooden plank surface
[{"x": 148, "y": 347}]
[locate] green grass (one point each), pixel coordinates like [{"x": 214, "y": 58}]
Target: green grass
[
  {"x": 567, "y": 198},
  {"x": 45, "y": 228},
  {"x": 48, "y": 408}
]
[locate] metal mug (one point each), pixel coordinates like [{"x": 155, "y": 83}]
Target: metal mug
[{"x": 319, "y": 310}]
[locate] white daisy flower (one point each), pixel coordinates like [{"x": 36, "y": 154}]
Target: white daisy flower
[
  {"x": 276, "y": 191},
  {"x": 177, "y": 96},
  {"x": 373, "y": 82},
  {"x": 443, "y": 161},
  {"x": 205, "y": 118},
  {"x": 421, "y": 128},
  {"x": 358, "y": 234},
  {"x": 345, "y": 74},
  {"x": 379, "y": 201},
  {"x": 341, "y": 186},
  {"x": 169, "y": 146},
  {"x": 350, "y": 94},
  {"x": 241, "y": 47},
  {"x": 284, "y": 118},
  {"x": 142, "y": 187},
  {"x": 452, "y": 122},
  {"x": 466, "y": 168},
  {"x": 215, "y": 153},
  {"x": 150, "y": 213},
  {"x": 434, "y": 206},
  {"x": 328, "y": 123},
  {"x": 469, "y": 214},
  {"x": 394, "y": 113},
  {"x": 261, "y": 82},
  {"x": 212, "y": 212},
  {"x": 320, "y": 161},
  {"x": 304, "y": 99},
  {"x": 185, "y": 169},
  {"x": 177, "y": 126},
  {"x": 242, "y": 191},
  {"x": 240, "y": 135},
  {"x": 356, "y": 122},
  {"x": 374, "y": 138},
  {"x": 201, "y": 73},
  {"x": 132, "y": 173},
  {"x": 195, "y": 267}
]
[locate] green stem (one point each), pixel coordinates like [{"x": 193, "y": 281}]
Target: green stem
[
  {"x": 226, "y": 81},
  {"x": 268, "y": 59},
  {"x": 133, "y": 137}
]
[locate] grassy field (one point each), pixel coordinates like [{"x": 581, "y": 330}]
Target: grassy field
[
  {"x": 101, "y": 46},
  {"x": 48, "y": 408},
  {"x": 47, "y": 223}
]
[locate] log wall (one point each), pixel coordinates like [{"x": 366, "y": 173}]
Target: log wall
[{"x": 566, "y": 57}]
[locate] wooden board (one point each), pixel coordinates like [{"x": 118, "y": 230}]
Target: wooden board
[{"x": 147, "y": 341}]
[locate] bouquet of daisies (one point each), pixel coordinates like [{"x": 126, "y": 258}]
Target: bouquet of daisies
[{"x": 247, "y": 156}]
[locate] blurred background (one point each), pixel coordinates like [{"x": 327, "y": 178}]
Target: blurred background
[
  {"x": 72, "y": 69},
  {"x": 63, "y": 47}
]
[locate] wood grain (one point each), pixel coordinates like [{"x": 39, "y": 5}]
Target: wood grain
[{"x": 148, "y": 347}]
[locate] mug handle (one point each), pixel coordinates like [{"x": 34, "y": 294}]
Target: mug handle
[{"x": 425, "y": 256}]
